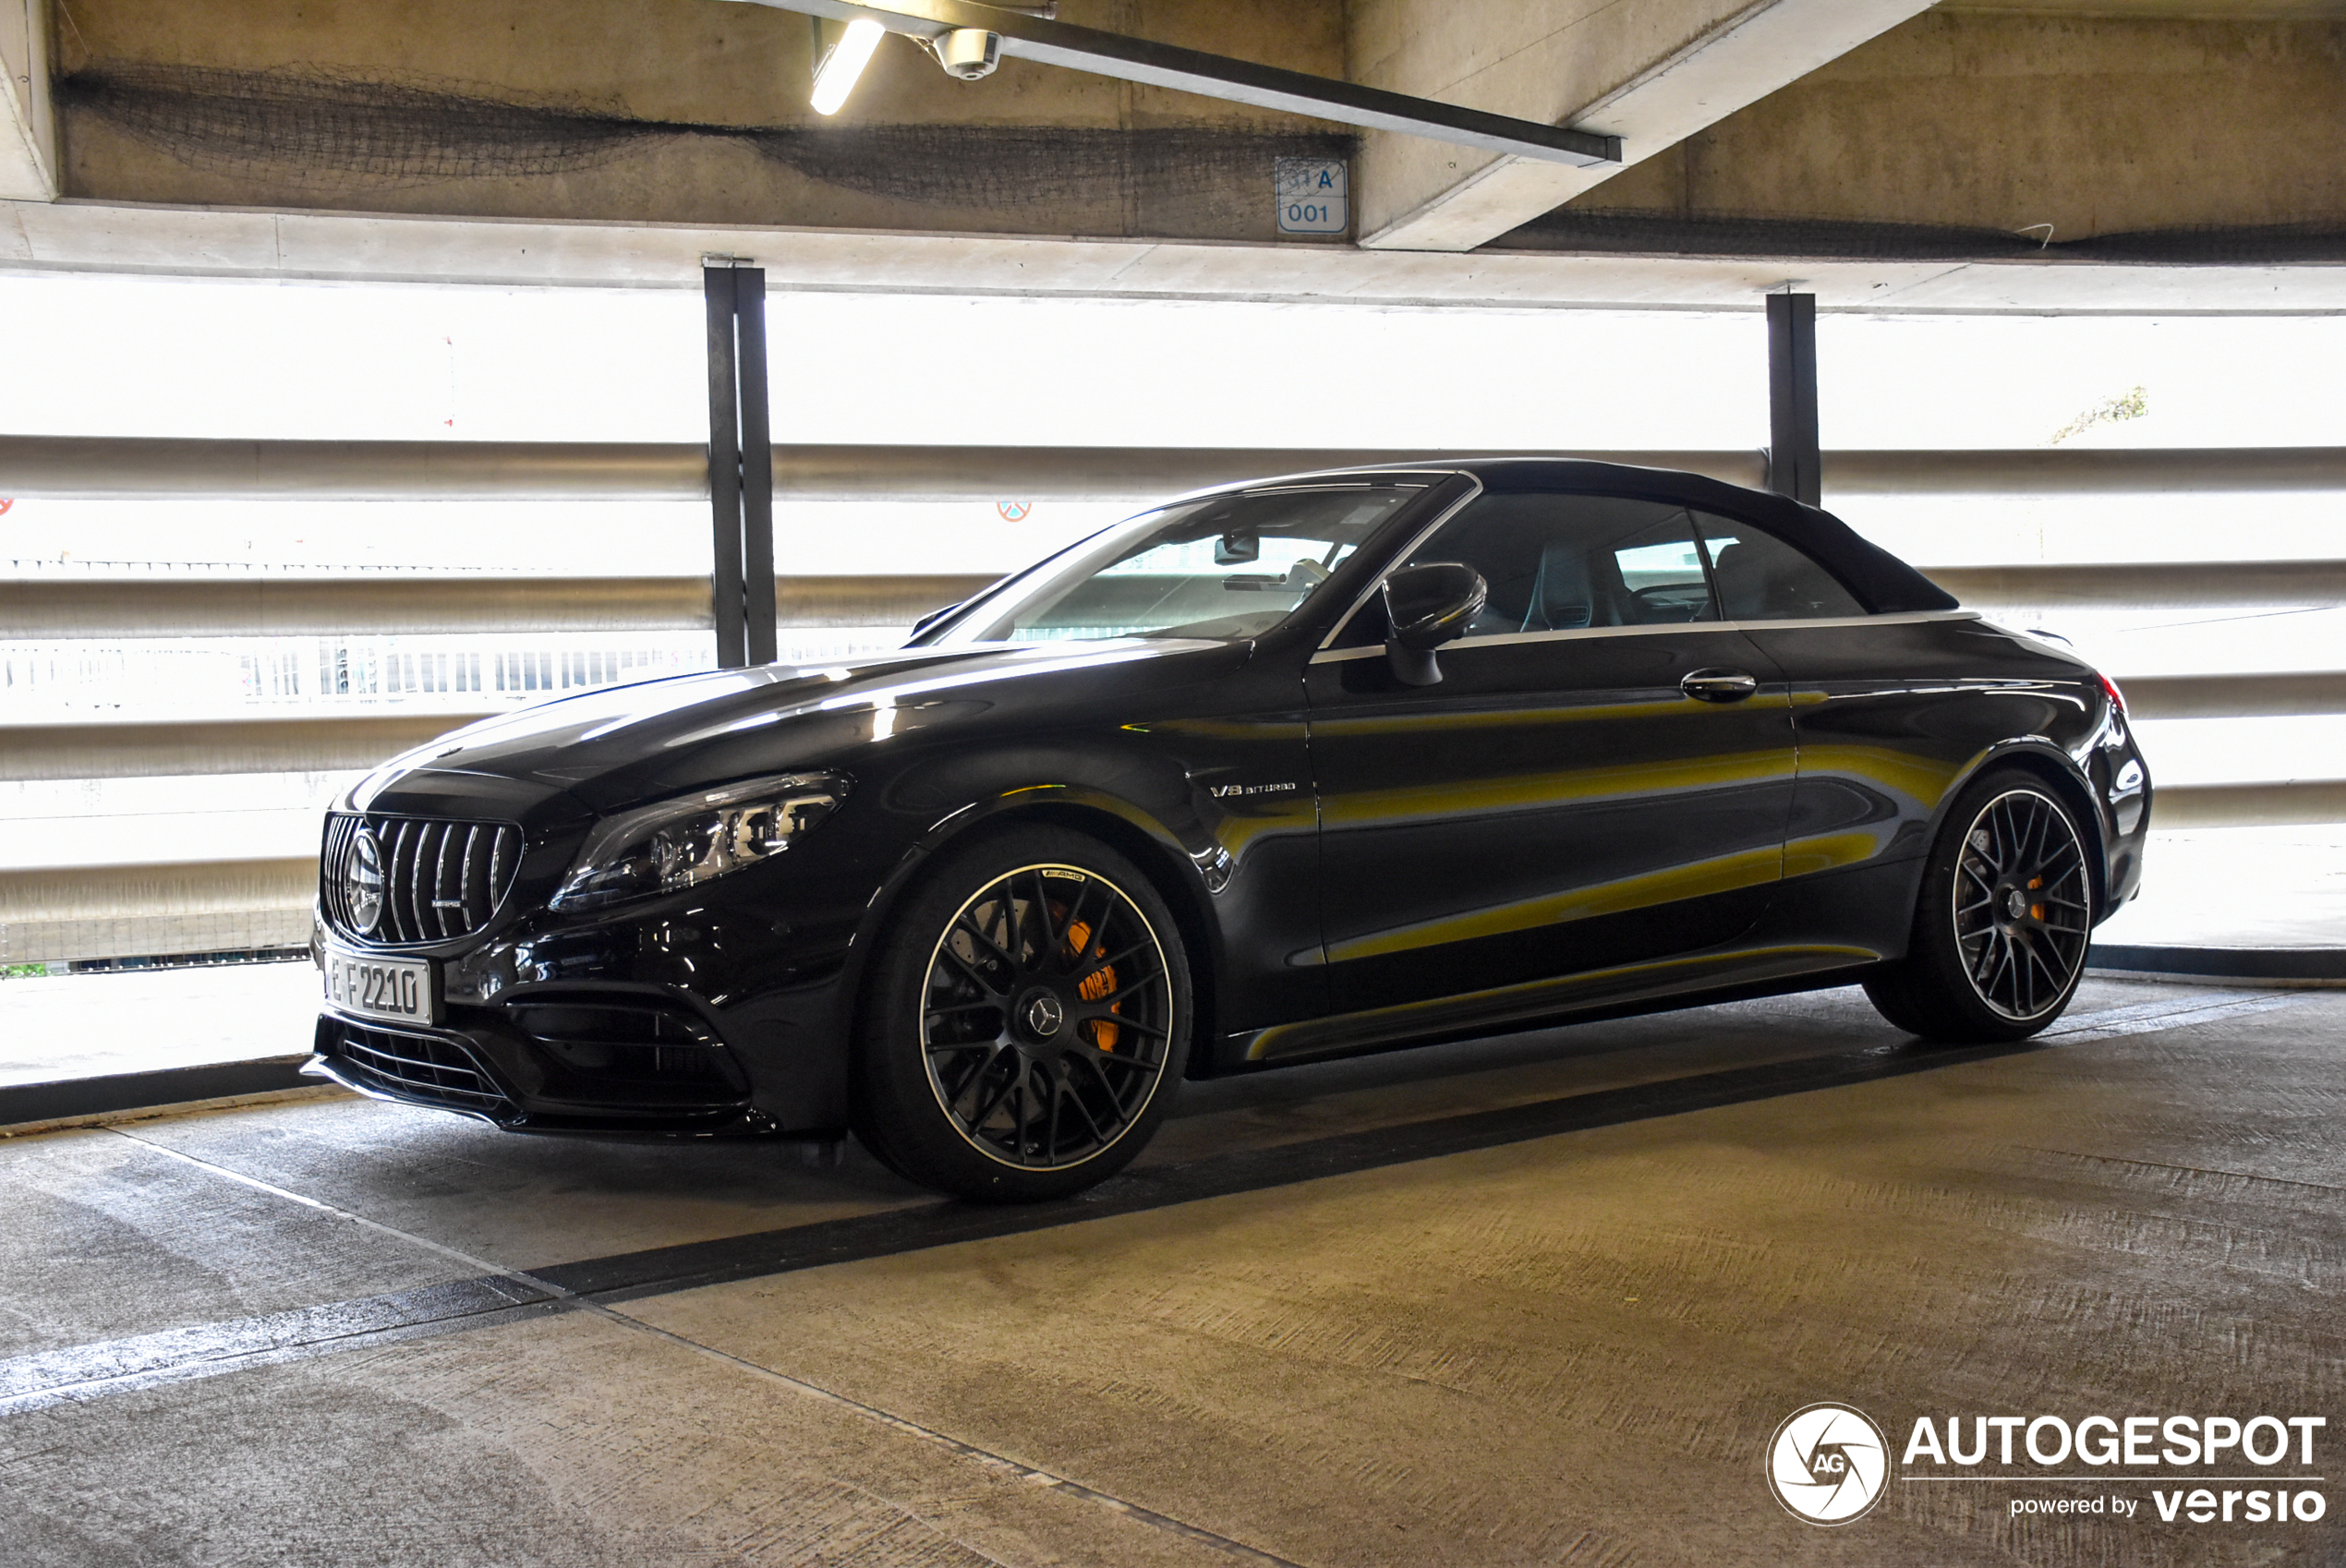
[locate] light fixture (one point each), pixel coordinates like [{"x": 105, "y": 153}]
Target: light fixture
[{"x": 835, "y": 77}]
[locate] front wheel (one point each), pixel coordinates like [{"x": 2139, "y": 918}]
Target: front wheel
[
  {"x": 2004, "y": 920},
  {"x": 1027, "y": 1019}
]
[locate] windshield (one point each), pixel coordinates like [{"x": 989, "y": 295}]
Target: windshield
[{"x": 1229, "y": 566}]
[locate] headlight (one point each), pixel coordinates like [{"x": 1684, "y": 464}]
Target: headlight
[{"x": 673, "y": 845}]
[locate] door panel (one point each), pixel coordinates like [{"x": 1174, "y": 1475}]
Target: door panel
[{"x": 1556, "y": 803}]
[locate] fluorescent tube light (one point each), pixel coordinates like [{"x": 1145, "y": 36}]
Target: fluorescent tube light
[{"x": 835, "y": 77}]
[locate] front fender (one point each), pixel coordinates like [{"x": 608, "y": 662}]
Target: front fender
[{"x": 1221, "y": 817}]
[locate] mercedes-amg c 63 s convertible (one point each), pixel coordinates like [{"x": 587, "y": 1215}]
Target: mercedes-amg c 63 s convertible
[{"x": 1327, "y": 764}]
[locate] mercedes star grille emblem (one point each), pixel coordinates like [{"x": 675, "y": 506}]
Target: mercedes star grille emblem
[{"x": 363, "y": 883}]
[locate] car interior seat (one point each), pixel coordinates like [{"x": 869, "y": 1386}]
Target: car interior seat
[
  {"x": 1760, "y": 585},
  {"x": 1736, "y": 570},
  {"x": 1562, "y": 597}
]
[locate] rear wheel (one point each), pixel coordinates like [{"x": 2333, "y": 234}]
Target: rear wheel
[
  {"x": 2004, "y": 920},
  {"x": 1028, "y": 1018}
]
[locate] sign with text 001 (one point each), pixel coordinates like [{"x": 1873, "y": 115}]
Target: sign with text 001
[{"x": 1311, "y": 196}]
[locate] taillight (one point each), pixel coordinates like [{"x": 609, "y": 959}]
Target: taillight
[{"x": 2110, "y": 688}]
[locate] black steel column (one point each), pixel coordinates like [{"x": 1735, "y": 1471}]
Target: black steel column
[
  {"x": 758, "y": 464},
  {"x": 724, "y": 469},
  {"x": 741, "y": 466},
  {"x": 1795, "y": 462}
]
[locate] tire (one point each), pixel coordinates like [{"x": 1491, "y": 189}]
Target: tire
[
  {"x": 1026, "y": 1022},
  {"x": 2003, "y": 921}
]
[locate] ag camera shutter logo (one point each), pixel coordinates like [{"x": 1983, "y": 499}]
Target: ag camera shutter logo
[{"x": 1828, "y": 1464}]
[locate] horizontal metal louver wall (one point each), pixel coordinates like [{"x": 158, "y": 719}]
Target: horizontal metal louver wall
[{"x": 440, "y": 879}]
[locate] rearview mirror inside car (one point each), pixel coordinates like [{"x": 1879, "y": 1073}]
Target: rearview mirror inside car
[{"x": 1232, "y": 548}]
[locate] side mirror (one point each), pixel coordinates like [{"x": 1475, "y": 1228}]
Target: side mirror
[
  {"x": 1424, "y": 608},
  {"x": 934, "y": 616}
]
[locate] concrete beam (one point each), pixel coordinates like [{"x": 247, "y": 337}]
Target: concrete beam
[
  {"x": 27, "y": 120},
  {"x": 73, "y": 237},
  {"x": 1649, "y": 72}
]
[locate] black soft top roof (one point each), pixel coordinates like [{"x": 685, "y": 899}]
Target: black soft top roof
[{"x": 1882, "y": 583}]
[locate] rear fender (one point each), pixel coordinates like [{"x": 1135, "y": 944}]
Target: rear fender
[{"x": 2048, "y": 761}]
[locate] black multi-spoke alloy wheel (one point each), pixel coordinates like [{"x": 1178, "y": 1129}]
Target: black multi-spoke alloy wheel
[
  {"x": 2004, "y": 920},
  {"x": 1027, "y": 1019}
]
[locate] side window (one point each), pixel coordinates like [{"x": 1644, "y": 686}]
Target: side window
[
  {"x": 1561, "y": 562},
  {"x": 1761, "y": 578},
  {"x": 1661, "y": 567}
]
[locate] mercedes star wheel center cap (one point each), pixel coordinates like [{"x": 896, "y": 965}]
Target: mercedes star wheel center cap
[
  {"x": 1044, "y": 1014},
  {"x": 2016, "y": 903}
]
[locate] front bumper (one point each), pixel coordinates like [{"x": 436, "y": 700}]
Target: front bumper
[
  {"x": 695, "y": 1015},
  {"x": 478, "y": 1075}
]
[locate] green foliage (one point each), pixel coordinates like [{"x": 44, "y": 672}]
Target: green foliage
[{"x": 2131, "y": 405}]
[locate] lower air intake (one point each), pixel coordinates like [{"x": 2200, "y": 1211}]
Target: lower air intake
[{"x": 422, "y": 1068}]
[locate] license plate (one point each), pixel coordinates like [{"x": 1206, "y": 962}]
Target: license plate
[{"x": 375, "y": 986}]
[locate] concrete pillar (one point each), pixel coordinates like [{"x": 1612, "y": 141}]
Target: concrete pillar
[{"x": 28, "y": 121}]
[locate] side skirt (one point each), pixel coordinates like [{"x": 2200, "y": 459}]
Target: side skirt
[{"x": 1742, "y": 970}]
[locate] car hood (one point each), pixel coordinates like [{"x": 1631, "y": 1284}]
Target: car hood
[{"x": 608, "y": 749}]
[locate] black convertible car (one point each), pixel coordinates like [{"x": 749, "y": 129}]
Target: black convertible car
[{"x": 1320, "y": 765}]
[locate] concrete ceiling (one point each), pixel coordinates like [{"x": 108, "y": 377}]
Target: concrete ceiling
[{"x": 2055, "y": 156}]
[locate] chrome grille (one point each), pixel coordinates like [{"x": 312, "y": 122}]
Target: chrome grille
[
  {"x": 418, "y": 1068},
  {"x": 437, "y": 879}
]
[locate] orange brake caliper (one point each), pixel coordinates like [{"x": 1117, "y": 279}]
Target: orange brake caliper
[
  {"x": 2036, "y": 911},
  {"x": 1100, "y": 983}
]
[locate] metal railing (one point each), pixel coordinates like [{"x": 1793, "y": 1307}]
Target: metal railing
[
  {"x": 50, "y": 610},
  {"x": 120, "y": 467},
  {"x": 307, "y": 742},
  {"x": 295, "y": 606},
  {"x": 168, "y": 749}
]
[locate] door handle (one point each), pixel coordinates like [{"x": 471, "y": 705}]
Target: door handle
[{"x": 1719, "y": 685}]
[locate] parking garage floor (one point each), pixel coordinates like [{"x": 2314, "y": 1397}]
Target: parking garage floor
[{"x": 1537, "y": 1300}]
